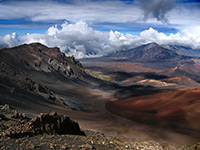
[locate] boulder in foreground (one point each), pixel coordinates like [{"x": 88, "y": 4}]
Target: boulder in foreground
[{"x": 52, "y": 123}]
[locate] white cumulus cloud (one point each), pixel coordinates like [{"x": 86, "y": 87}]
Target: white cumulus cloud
[
  {"x": 80, "y": 40},
  {"x": 9, "y": 40}
]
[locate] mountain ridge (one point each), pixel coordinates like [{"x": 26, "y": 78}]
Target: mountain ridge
[
  {"x": 39, "y": 57},
  {"x": 148, "y": 52}
]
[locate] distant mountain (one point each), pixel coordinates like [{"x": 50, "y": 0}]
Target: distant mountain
[
  {"x": 149, "y": 55},
  {"x": 148, "y": 52}
]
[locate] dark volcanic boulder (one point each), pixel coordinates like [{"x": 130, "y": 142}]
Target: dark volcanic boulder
[{"x": 52, "y": 123}]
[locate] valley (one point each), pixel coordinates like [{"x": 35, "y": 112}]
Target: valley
[
  {"x": 158, "y": 91},
  {"x": 134, "y": 98}
]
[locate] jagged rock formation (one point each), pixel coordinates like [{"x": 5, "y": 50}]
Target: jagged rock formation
[{"x": 52, "y": 123}]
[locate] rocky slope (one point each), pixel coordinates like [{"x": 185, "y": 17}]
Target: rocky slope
[
  {"x": 34, "y": 77},
  {"x": 18, "y": 60}
]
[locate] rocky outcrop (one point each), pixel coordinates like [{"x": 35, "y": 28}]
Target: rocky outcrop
[
  {"x": 52, "y": 123},
  {"x": 6, "y": 107},
  {"x": 12, "y": 114},
  {"x": 39, "y": 57},
  {"x": 32, "y": 86}
]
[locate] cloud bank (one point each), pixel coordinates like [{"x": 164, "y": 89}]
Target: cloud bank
[
  {"x": 115, "y": 11},
  {"x": 73, "y": 11},
  {"x": 80, "y": 40}
]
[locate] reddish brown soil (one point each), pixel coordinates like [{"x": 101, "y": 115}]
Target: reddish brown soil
[{"x": 176, "y": 109}]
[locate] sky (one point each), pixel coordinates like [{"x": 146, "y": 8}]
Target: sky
[{"x": 90, "y": 28}]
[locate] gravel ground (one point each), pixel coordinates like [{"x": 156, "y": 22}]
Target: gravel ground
[{"x": 92, "y": 139}]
